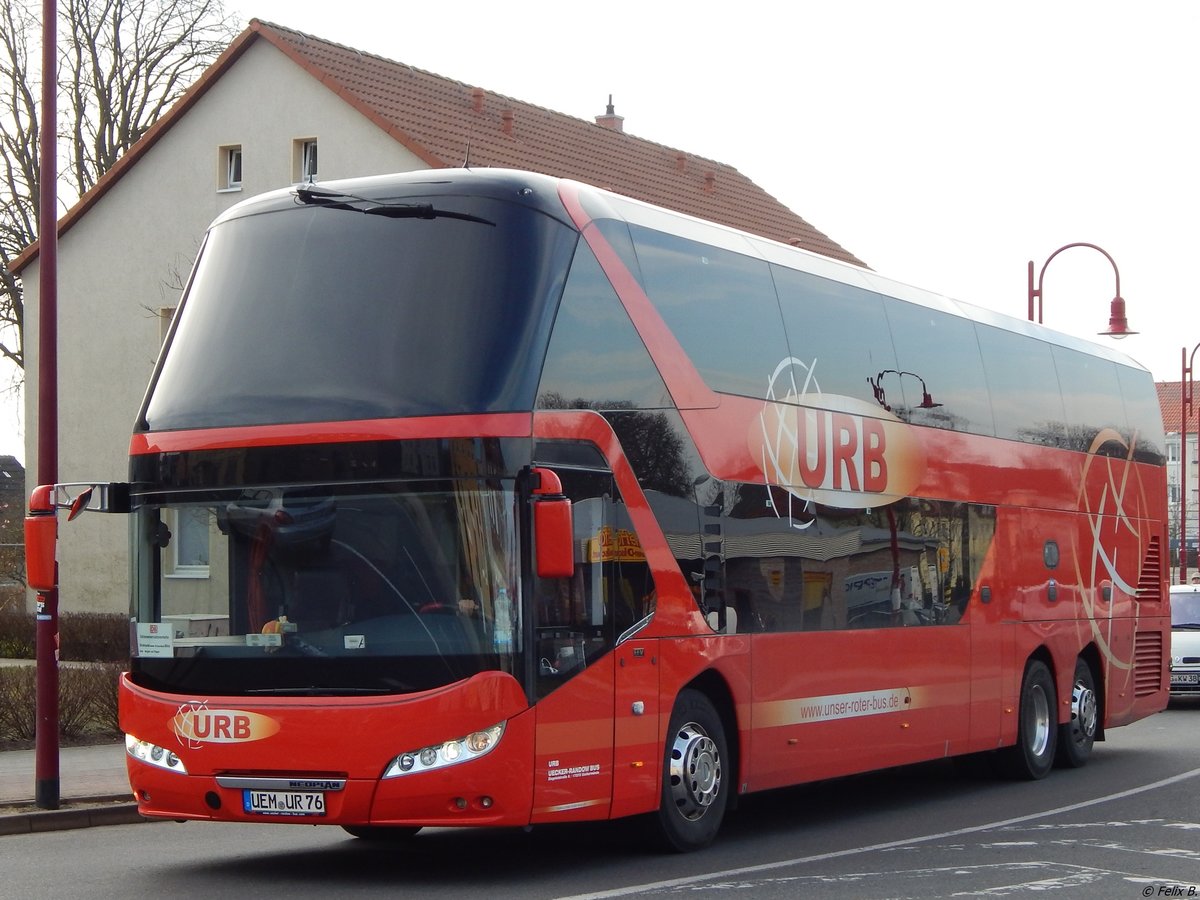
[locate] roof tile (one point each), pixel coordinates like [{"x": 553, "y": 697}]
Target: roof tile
[
  {"x": 1170, "y": 401},
  {"x": 447, "y": 123},
  {"x": 438, "y": 120}
]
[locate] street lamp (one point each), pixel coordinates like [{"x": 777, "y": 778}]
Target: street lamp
[
  {"x": 1118, "y": 325},
  {"x": 1186, "y": 386}
]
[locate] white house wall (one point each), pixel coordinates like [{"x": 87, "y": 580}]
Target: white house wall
[{"x": 125, "y": 259}]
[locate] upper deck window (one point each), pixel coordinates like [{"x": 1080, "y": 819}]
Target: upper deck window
[
  {"x": 321, "y": 313},
  {"x": 838, "y": 332},
  {"x": 596, "y": 360},
  {"x": 719, "y": 304}
]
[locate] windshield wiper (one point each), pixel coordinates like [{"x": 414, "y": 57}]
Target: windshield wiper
[
  {"x": 335, "y": 200},
  {"x": 1186, "y": 626}
]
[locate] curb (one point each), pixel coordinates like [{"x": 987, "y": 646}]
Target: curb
[{"x": 118, "y": 812}]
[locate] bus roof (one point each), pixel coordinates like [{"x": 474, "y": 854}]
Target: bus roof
[{"x": 541, "y": 192}]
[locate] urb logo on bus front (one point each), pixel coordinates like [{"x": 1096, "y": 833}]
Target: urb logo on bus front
[{"x": 195, "y": 725}]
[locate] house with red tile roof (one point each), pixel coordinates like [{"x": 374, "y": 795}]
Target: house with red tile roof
[{"x": 280, "y": 107}]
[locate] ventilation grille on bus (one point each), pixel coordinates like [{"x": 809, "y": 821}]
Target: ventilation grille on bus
[
  {"x": 1147, "y": 663},
  {"x": 1149, "y": 587}
]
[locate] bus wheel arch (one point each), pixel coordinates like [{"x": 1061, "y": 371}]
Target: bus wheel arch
[
  {"x": 698, "y": 772},
  {"x": 1082, "y": 728},
  {"x": 1032, "y": 757}
]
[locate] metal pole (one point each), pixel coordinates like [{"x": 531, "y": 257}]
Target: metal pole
[
  {"x": 46, "y": 788},
  {"x": 1034, "y": 292},
  {"x": 1185, "y": 408}
]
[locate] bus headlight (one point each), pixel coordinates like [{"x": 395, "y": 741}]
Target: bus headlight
[
  {"x": 449, "y": 753},
  {"x": 153, "y": 755}
]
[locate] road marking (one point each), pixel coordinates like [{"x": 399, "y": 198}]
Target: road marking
[{"x": 889, "y": 845}]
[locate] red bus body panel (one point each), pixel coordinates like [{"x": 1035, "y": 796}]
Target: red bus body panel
[
  {"x": 354, "y": 739},
  {"x": 798, "y": 706}
]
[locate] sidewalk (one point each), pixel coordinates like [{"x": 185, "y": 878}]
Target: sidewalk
[{"x": 93, "y": 790}]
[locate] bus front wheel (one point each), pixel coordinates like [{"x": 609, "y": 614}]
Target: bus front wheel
[
  {"x": 695, "y": 784},
  {"x": 1032, "y": 757},
  {"x": 1076, "y": 736}
]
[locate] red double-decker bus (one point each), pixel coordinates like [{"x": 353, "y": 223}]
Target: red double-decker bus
[{"x": 479, "y": 498}]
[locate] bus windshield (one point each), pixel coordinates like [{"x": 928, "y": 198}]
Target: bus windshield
[
  {"x": 312, "y": 313},
  {"x": 391, "y": 589}
]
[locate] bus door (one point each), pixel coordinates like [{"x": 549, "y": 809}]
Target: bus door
[{"x": 576, "y": 623}]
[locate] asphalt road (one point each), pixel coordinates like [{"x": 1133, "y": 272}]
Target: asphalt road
[{"x": 1126, "y": 826}]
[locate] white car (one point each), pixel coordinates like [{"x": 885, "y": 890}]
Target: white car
[{"x": 1185, "y": 640}]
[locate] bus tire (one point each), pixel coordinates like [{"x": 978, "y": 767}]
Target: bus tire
[
  {"x": 1076, "y": 736},
  {"x": 1032, "y": 757},
  {"x": 382, "y": 833},
  {"x": 695, "y": 778}
]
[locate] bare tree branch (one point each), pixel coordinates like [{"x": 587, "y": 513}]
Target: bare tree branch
[{"x": 122, "y": 64}]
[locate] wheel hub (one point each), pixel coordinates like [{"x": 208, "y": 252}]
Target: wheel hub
[
  {"x": 1084, "y": 711},
  {"x": 1039, "y": 732},
  {"x": 695, "y": 773}
]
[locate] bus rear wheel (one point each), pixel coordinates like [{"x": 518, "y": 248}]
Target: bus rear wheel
[
  {"x": 1032, "y": 757},
  {"x": 1076, "y": 736},
  {"x": 695, "y": 783}
]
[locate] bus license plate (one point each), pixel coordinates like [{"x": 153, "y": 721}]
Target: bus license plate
[
  {"x": 1185, "y": 678},
  {"x": 284, "y": 803}
]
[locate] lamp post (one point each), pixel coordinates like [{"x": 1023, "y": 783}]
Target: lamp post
[
  {"x": 1186, "y": 386},
  {"x": 46, "y": 771},
  {"x": 1118, "y": 325}
]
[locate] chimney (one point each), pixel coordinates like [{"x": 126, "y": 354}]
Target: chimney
[
  {"x": 506, "y": 121},
  {"x": 610, "y": 119},
  {"x": 477, "y": 99},
  {"x": 710, "y": 180},
  {"x": 681, "y": 162}
]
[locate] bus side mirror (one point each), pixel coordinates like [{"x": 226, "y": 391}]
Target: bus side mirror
[
  {"x": 553, "y": 529},
  {"x": 41, "y": 540}
]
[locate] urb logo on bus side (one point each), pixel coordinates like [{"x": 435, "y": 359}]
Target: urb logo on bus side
[{"x": 832, "y": 449}]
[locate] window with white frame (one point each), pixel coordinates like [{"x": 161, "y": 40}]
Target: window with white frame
[
  {"x": 1172, "y": 451},
  {"x": 190, "y": 532},
  {"x": 231, "y": 168},
  {"x": 304, "y": 159}
]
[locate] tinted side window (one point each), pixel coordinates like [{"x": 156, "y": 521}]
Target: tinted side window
[
  {"x": 577, "y": 620},
  {"x": 1091, "y": 397},
  {"x": 664, "y": 459},
  {"x": 1023, "y": 382},
  {"x": 596, "y": 359},
  {"x": 720, "y": 305},
  {"x": 941, "y": 351},
  {"x": 1145, "y": 415},
  {"x": 792, "y": 566},
  {"x": 839, "y": 332}
]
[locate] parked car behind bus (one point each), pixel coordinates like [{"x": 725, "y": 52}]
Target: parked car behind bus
[{"x": 1185, "y": 640}]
